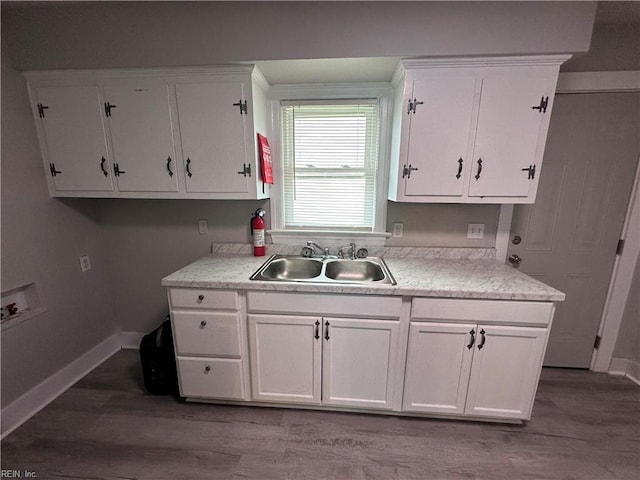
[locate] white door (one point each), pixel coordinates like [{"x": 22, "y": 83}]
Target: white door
[
  {"x": 359, "y": 362},
  {"x": 438, "y": 365},
  {"x": 286, "y": 360},
  {"x": 439, "y": 135},
  {"x": 509, "y": 134},
  {"x": 570, "y": 235},
  {"x": 76, "y": 146},
  {"x": 505, "y": 370},
  {"x": 142, "y": 138},
  {"x": 214, "y": 136}
]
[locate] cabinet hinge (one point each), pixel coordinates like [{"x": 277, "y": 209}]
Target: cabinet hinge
[
  {"x": 246, "y": 170},
  {"x": 52, "y": 169},
  {"x": 620, "y": 247},
  {"x": 532, "y": 172},
  {"x": 41, "y": 109},
  {"x": 542, "y": 108},
  {"x": 596, "y": 344},
  {"x": 412, "y": 106},
  {"x": 242, "y": 105},
  {"x": 406, "y": 171},
  {"x": 107, "y": 108}
]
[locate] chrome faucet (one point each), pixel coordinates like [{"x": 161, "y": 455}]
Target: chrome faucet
[
  {"x": 314, "y": 246},
  {"x": 352, "y": 251}
]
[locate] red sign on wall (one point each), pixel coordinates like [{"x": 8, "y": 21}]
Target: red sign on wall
[{"x": 266, "y": 164}]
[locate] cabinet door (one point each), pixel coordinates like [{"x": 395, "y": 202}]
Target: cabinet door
[
  {"x": 359, "y": 362},
  {"x": 511, "y": 135},
  {"x": 438, "y": 365},
  {"x": 213, "y": 132},
  {"x": 142, "y": 138},
  {"x": 285, "y": 361},
  {"x": 74, "y": 138},
  {"x": 505, "y": 371},
  {"x": 439, "y": 135}
]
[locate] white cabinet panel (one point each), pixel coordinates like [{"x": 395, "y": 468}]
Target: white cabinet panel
[
  {"x": 505, "y": 371},
  {"x": 73, "y": 138},
  {"x": 141, "y": 133},
  {"x": 211, "y": 378},
  {"x": 508, "y": 137},
  {"x": 213, "y": 132},
  {"x": 286, "y": 356},
  {"x": 359, "y": 362},
  {"x": 207, "y": 333},
  {"x": 438, "y": 365},
  {"x": 439, "y": 134}
]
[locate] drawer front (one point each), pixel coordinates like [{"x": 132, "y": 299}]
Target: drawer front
[
  {"x": 204, "y": 298},
  {"x": 486, "y": 311},
  {"x": 211, "y": 378},
  {"x": 369, "y": 306},
  {"x": 207, "y": 333}
]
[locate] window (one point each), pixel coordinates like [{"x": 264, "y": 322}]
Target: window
[{"x": 329, "y": 152}]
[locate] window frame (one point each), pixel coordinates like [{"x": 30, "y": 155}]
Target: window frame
[{"x": 382, "y": 92}]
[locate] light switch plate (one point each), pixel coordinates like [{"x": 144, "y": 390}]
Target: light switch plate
[
  {"x": 203, "y": 226},
  {"x": 85, "y": 263}
]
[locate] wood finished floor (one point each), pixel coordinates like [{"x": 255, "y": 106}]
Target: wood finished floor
[{"x": 585, "y": 426}]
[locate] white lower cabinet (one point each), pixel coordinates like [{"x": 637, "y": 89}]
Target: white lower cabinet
[
  {"x": 325, "y": 349},
  {"x": 323, "y": 360},
  {"x": 475, "y": 369},
  {"x": 476, "y": 359},
  {"x": 210, "y": 344}
]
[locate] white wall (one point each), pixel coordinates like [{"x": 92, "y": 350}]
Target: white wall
[
  {"x": 140, "y": 34},
  {"x": 42, "y": 240}
]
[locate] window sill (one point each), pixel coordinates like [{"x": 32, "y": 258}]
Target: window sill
[{"x": 328, "y": 239}]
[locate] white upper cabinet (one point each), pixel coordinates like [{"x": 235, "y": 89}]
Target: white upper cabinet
[
  {"x": 215, "y": 136},
  {"x": 72, "y": 138},
  {"x": 471, "y": 130},
  {"x": 170, "y": 133},
  {"x": 139, "y": 118}
]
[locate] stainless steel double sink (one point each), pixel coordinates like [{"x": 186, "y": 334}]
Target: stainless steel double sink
[{"x": 286, "y": 268}]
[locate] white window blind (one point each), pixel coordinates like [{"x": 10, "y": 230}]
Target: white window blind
[{"x": 329, "y": 160}]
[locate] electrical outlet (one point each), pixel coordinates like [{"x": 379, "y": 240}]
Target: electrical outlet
[
  {"x": 475, "y": 230},
  {"x": 203, "y": 226},
  {"x": 85, "y": 263},
  {"x": 398, "y": 230}
]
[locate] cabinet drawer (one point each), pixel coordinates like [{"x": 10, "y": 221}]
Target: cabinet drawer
[
  {"x": 204, "y": 298},
  {"x": 211, "y": 378},
  {"x": 486, "y": 311},
  {"x": 206, "y": 333},
  {"x": 369, "y": 306}
]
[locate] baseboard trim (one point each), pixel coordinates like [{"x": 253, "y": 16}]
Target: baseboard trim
[
  {"x": 30, "y": 403},
  {"x": 627, "y": 368},
  {"x": 131, "y": 340}
]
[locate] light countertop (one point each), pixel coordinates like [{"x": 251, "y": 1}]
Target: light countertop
[{"x": 419, "y": 273}]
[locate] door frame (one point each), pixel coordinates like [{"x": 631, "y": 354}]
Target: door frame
[{"x": 625, "y": 263}]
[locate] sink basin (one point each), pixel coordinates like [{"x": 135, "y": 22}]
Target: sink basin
[
  {"x": 292, "y": 269},
  {"x": 354, "y": 270},
  {"x": 286, "y": 268}
]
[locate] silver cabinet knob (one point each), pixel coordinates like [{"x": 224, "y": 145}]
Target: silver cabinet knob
[
  {"x": 203, "y": 323},
  {"x": 515, "y": 259},
  {"x": 207, "y": 369},
  {"x": 200, "y": 298}
]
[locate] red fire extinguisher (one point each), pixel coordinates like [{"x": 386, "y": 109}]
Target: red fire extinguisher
[{"x": 257, "y": 230}]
